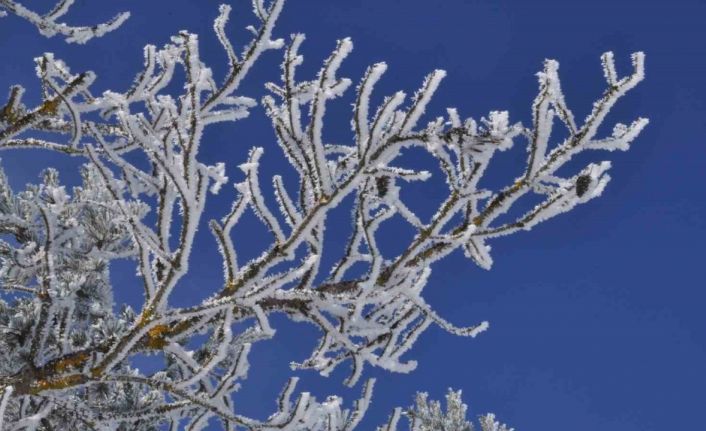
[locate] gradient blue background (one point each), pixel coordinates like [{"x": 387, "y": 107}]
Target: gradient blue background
[{"x": 597, "y": 318}]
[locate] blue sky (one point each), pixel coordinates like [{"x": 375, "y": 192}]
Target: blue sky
[{"x": 597, "y": 317}]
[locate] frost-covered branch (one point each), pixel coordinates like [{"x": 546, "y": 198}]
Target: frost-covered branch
[
  {"x": 65, "y": 352},
  {"x": 48, "y": 26},
  {"x": 376, "y": 318}
]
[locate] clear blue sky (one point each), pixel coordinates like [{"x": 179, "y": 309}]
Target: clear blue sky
[{"x": 597, "y": 317}]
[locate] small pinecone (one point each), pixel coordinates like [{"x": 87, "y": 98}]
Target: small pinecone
[
  {"x": 383, "y": 185},
  {"x": 582, "y": 184}
]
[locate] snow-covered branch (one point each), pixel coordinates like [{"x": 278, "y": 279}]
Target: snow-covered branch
[
  {"x": 62, "y": 343},
  {"x": 48, "y": 26}
]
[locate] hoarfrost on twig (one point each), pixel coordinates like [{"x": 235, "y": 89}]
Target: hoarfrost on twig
[{"x": 48, "y": 26}]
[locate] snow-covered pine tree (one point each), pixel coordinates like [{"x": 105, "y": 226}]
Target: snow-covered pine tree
[
  {"x": 428, "y": 416},
  {"x": 65, "y": 346}
]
